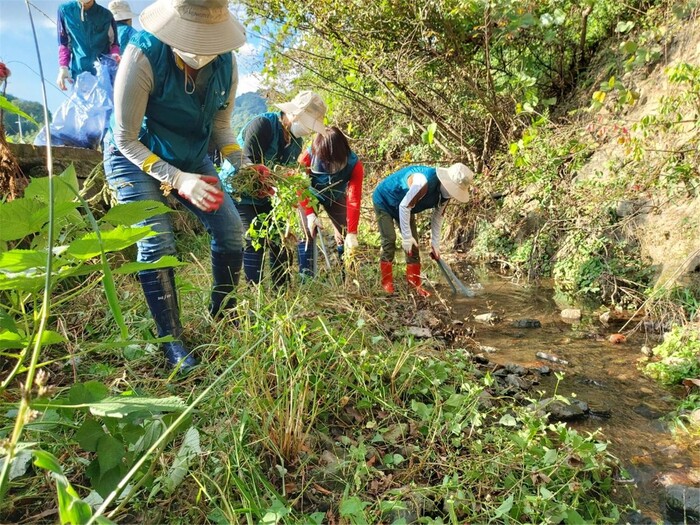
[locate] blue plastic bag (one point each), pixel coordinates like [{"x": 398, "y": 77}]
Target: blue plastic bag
[{"x": 81, "y": 121}]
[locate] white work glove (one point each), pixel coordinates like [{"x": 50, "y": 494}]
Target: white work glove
[
  {"x": 201, "y": 190},
  {"x": 63, "y": 77},
  {"x": 408, "y": 244},
  {"x": 350, "y": 243},
  {"x": 312, "y": 223}
]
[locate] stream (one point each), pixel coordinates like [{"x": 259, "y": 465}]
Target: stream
[{"x": 602, "y": 374}]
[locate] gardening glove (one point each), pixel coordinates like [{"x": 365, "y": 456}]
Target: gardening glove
[
  {"x": 63, "y": 77},
  {"x": 350, "y": 242},
  {"x": 116, "y": 57},
  {"x": 312, "y": 224},
  {"x": 202, "y": 191},
  {"x": 408, "y": 244}
]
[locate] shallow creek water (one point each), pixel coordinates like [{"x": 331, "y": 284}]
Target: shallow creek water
[{"x": 602, "y": 374}]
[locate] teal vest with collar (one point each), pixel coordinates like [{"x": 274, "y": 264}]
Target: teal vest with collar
[
  {"x": 390, "y": 192},
  {"x": 177, "y": 126}
]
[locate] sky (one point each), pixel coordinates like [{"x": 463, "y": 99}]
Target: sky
[{"x": 18, "y": 50}]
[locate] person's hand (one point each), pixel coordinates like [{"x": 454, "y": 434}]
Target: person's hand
[
  {"x": 434, "y": 252},
  {"x": 408, "y": 244},
  {"x": 202, "y": 191},
  {"x": 312, "y": 224},
  {"x": 63, "y": 78},
  {"x": 116, "y": 57},
  {"x": 350, "y": 242}
]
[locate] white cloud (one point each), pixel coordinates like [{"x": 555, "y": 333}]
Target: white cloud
[
  {"x": 247, "y": 50},
  {"x": 247, "y": 83}
]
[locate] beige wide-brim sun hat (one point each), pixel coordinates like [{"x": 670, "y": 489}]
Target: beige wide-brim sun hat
[
  {"x": 121, "y": 10},
  {"x": 308, "y": 108},
  {"x": 202, "y": 27},
  {"x": 456, "y": 179}
]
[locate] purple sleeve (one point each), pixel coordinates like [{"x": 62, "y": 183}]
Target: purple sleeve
[
  {"x": 64, "y": 52},
  {"x": 63, "y": 55}
]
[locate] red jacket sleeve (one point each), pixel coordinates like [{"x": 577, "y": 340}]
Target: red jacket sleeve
[{"x": 354, "y": 196}]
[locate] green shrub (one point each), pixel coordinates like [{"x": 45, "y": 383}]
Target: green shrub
[{"x": 677, "y": 358}]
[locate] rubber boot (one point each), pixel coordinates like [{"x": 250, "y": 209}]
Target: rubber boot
[
  {"x": 252, "y": 264},
  {"x": 413, "y": 278},
  {"x": 305, "y": 250},
  {"x": 226, "y": 271},
  {"x": 161, "y": 297},
  {"x": 387, "y": 276}
]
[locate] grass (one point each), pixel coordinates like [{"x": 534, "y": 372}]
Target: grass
[{"x": 329, "y": 416}]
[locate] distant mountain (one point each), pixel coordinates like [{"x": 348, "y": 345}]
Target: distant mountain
[
  {"x": 248, "y": 105},
  {"x": 31, "y": 108}
]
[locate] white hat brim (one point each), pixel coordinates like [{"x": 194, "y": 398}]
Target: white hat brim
[
  {"x": 455, "y": 191},
  {"x": 162, "y": 20},
  {"x": 124, "y": 15},
  {"x": 302, "y": 116}
]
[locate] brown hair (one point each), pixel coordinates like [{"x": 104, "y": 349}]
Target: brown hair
[{"x": 331, "y": 147}]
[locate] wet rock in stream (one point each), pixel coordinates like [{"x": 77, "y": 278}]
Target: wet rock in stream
[
  {"x": 561, "y": 411},
  {"x": 683, "y": 503},
  {"x": 526, "y": 323}
]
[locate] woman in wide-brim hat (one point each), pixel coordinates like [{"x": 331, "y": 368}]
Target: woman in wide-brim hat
[
  {"x": 403, "y": 194},
  {"x": 174, "y": 93},
  {"x": 274, "y": 138}
]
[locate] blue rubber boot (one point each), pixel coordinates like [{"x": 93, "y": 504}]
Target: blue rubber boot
[
  {"x": 305, "y": 251},
  {"x": 252, "y": 264},
  {"x": 226, "y": 271},
  {"x": 161, "y": 297}
]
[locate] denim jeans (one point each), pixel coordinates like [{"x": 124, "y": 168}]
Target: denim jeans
[{"x": 130, "y": 184}]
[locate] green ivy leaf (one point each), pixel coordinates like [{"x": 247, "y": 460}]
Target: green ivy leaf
[
  {"x": 167, "y": 261},
  {"x": 89, "y": 434},
  {"x": 88, "y": 392},
  {"x": 134, "y": 212},
  {"x": 114, "y": 240},
  {"x": 110, "y": 452}
]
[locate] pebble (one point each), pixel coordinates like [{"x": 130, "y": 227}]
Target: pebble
[{"x": 571, "y": 313}]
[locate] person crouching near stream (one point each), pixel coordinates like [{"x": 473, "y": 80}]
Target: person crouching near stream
[
  {"x": 174, "y": 92},
  {"x": 336, "y": 181},
  {"x": 403, "y": 194}
]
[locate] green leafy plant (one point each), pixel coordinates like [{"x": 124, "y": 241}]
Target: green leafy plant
[{"x": 677, "y": 358}]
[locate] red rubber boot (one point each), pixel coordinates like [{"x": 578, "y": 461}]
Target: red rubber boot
[
  {"x": 413, "y": 278},
  {"x": 387, "y": 276}
]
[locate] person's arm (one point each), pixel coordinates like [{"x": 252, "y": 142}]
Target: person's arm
[
  {"x": 132, "y": 87},
  {"x": 114, "y": 39},
  {"x": 305, "y": 160},
  {"x": 416, "y": 191},
  {"x": 64, "y": 52},
  {"x": 256, "y": 138},
  {"x": 222, "y": 134},
  {"x": 436, "y": 228},
  {"x": 353, "y": 197}
]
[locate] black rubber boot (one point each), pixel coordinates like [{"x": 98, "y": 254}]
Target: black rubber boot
[
  {"x": 252, "y": 264},
  {"x": 305, "y": 251},
  {"x": 161, "y": 296},
  {"x": 226, "y": 271}
]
